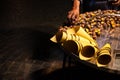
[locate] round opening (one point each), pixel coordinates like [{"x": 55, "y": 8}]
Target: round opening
[
  {"x": 104, "y": 59},
  {"x": 88, "y": 51},
  {"x": 71, "y": 46},
  {"x": 59, "y": 36}
]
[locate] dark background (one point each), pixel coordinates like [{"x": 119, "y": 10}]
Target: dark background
[
  {"x": 34, "y": 12},
  {"x": 26, "y": 52}
]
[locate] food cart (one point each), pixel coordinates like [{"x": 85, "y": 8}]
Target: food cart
[{"x": 95, "y": 32}]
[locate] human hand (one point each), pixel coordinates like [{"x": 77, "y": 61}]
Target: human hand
[
  {"x": 117, "y": 2},
  {"x": 62, "y": 29},
  {"x": 73, "y": 15}
]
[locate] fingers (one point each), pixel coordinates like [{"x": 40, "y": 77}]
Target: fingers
[
  {"x": 73, "y": 16},
  {"x": 116, "y": 3},
  {"x": 62, "y": 29},
  {"x": 70, "y": 15}
]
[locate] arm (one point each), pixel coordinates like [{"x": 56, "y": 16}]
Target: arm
[
  {"x": 74, "y": 13},
  {"x": 117, "y": 2}
]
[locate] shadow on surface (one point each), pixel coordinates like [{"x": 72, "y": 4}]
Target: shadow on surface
[
  {"x": 74, "y": 73},
  {"x": 22, "y": 50},
  {"x": 34, "y": 40}
]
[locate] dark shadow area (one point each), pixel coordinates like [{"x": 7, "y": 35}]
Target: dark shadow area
[
  {"x": 81, "y": 72},
  {"x": 30, "y": 39},
  {"x": 23, "y": 50},
  {"x": 33, "y": 12},
  {"x": 78, "y": 72}
]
